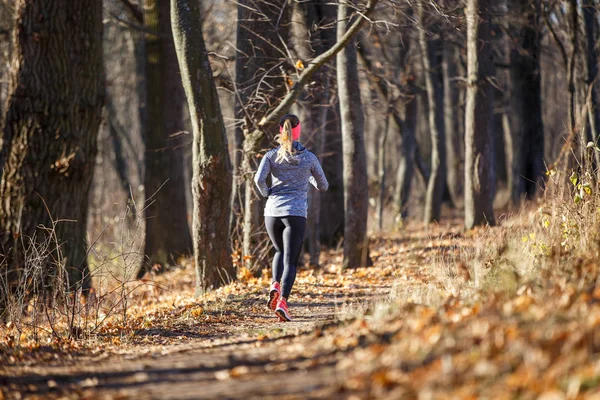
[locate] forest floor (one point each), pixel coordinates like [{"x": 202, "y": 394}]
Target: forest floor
[{"x": 441, "y": 314}]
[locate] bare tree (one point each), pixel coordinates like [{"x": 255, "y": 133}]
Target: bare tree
[
  {"x": 262, "y": 28},
  {"x": 167, "y": 232},
  {"x": 53, "y": 114},
  {"x": 573, "y": 24},
  {"x": 431, "y": 56},
  {"x": 408, "y": 147},
  {"x": 313, "y": 28},
  {"x": 211, "y": 182},
  {"x": 398, "y": 91},
  {"x": 355, "y": 168},
  {"x": 590, "y": 22},
  {"x": 303, "y": 78},
  {"x": 479, "y": 152},
  {"x": 454, "y": 175},
  {"x": 525, "y": 149},
  {"x": 331, "y": 213}
]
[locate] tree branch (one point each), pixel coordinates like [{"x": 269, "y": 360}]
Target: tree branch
[
  {"x": 313, "y": 67},
  {"x": 134, "y": 10},
  {"x": 561, "y": 47},
  {"x": 135, "y": 26},
  {"x": 383, "y": 91}
]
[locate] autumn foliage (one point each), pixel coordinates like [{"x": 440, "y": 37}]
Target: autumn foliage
[{"x": 503, "y": 312}]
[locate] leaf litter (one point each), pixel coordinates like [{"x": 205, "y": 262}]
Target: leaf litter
[{"x": 441, "y": 314}]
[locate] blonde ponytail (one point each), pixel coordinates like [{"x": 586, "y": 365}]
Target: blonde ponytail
[{"x": 284, "y": 139}]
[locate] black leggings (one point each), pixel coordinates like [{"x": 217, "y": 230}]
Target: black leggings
[{"x": 287, "y": 234}]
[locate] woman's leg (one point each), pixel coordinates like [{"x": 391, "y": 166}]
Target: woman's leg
[
  {"x": 275, "y": 229},
  {"x": 293, "y": 235}
]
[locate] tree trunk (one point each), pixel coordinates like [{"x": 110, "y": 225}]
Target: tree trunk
[
  {"x": 119, "y": 138},
  {"x": 237, "y": 186},
  {"x": 259, "y": 84},
  {"x": 54, "y": 111},
  {"x": 251, "y": 227},
  {"x": 406, "y": 166},
  {"x": 304, "y": 77},
  {"x": 167, "y": 229},
  {"x": 526, "y": 127},
  {"x": 211, "y": 182},
  {"x": 381, "y": 170},
  {"x": 453, "y": 137},
  {"x": 332, "y": 201},
  {"x": 355, "y": 167},
  {"x": 402, "y": 121},
  {"x": 6, "y": 43},
  {"x": 590, "y": 20},
  {"x": 571, "y": 14},
  {"x": 431, "y": 64},
  {"x": 312, "y": 39},
  {"x": 479, "y": 152},
  {"x": 320, "y": 116}
]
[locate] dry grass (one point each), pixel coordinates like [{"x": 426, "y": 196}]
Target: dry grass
[
  {"x": 501, "y": 312},
  {"x": 504, "y": 311}
]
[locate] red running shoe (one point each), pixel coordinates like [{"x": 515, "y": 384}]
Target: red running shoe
[
  {"x": 274, "y": 295},
  {"x": 282, "y": 310}
]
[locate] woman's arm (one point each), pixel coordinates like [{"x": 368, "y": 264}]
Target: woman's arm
[
  {"x": 318, "y": 178},
  {"x": 260, "y": 178}
]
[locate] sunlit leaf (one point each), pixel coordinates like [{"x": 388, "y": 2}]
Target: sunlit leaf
[
  {"x": 574, "y": 179},
  {"x": 593, "y": 145},
  {"x": 197, "y": 312},
  {"x": 239, "y": 371}
]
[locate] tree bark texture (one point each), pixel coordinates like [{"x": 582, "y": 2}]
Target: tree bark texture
[
  {"x": 49, "y": 145},
  {"x": 211, "y": 182},
  {"x": 526, "y": 166},
  {"x": 6, "y": 45},
  {"x": 354, "y": 157},
  {"x": 479, "y": 152},
  {"x": 167, "y": 230},
  {"x": 431, "y": 56}
]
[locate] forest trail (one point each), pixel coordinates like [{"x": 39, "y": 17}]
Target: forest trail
[
  {"x": 443, "y": 314},
  {"x": 259, "y": 358},
  {"x": 236, "y": 348}
]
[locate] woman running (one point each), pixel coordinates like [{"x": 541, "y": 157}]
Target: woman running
[{"x": 291, "y": 167}]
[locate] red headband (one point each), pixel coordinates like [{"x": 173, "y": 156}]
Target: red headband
[{"x": 295, "y": 131}]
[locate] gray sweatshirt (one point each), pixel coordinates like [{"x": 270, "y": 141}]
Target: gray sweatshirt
[{"x": 287, "y": 195}]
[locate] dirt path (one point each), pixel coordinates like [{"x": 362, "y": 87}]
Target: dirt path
[
  {"x": 247, "y": 354},
  {"x": 441, "y": 315}
]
